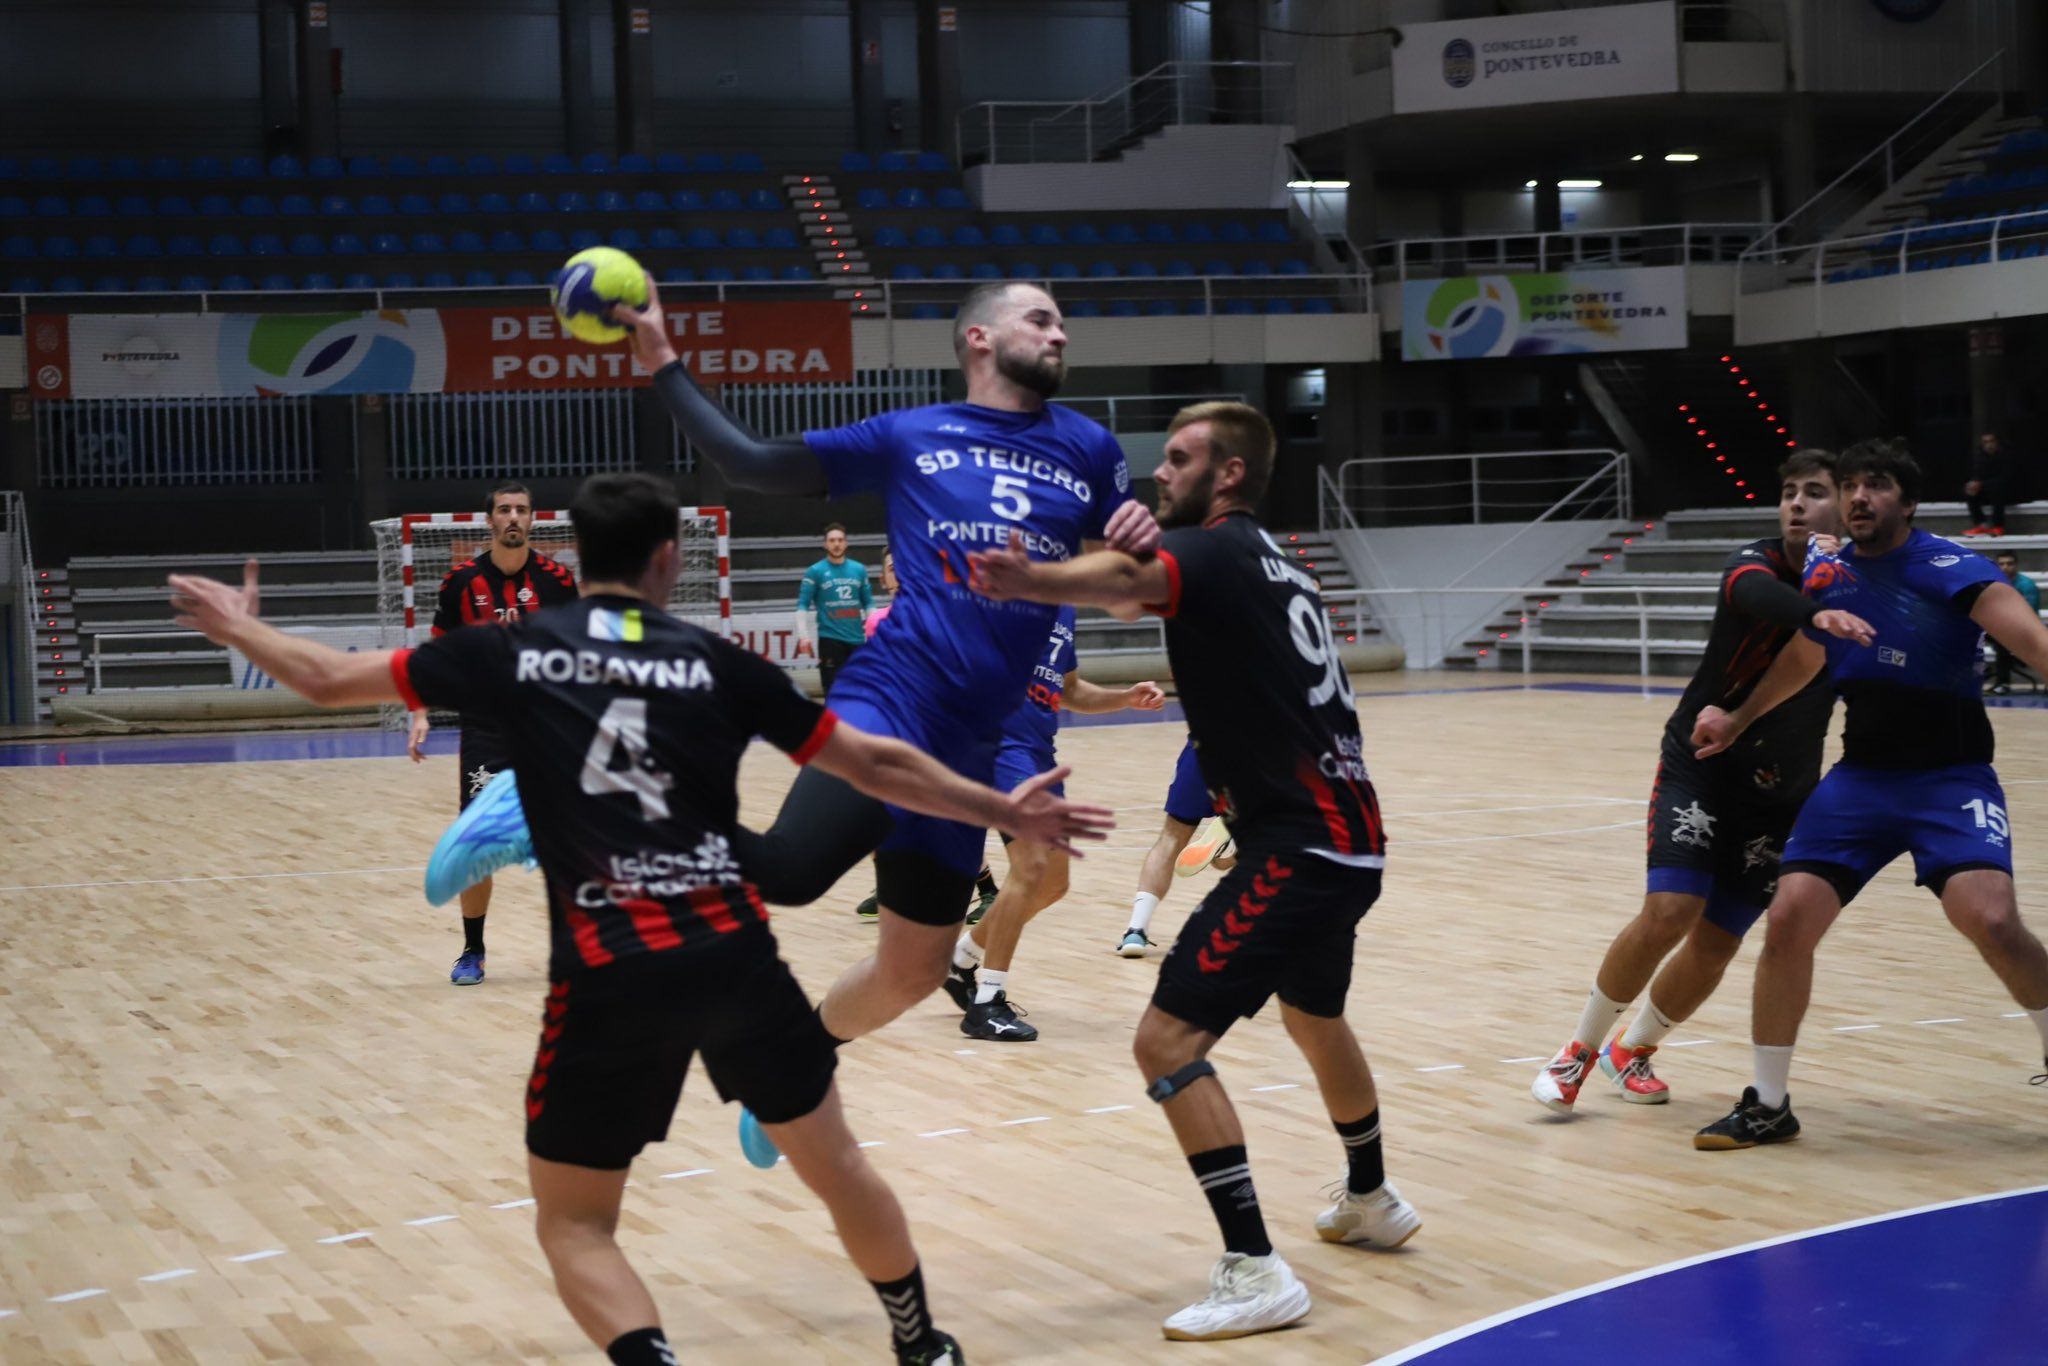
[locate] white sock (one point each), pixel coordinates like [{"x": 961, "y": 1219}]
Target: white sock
[
  {"x": 1773, "y": 1073},
  {"x": 967, "y": 953},
  {"x": 1596, "y": 1019},
  {"x": 1142, "y": 906},
  {"x": 988, "y": 984},
  {"x": 1648, "y": 1029},
  {"x": 2040, "y": 1019}
]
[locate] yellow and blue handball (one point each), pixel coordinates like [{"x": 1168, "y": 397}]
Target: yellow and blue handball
[{"x": 589, "y": 284}]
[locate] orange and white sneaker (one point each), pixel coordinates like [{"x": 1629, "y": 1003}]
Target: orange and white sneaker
[
  {"x": 1557, "y": 1086},
  {"x": 1629, "y": 1070},
  {"x": 1211, "y": 841}
]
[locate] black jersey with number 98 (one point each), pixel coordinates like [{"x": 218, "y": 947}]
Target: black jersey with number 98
[{"x": 625, "y": 728}]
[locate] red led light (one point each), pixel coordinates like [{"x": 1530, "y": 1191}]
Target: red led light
[{"x": 1685, "y": 407}]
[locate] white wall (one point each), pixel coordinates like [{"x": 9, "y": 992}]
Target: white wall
[
  {"x": 1300, "y": 339},
  {"x": 1190, "y": 166},
  {"x": 2004, "y": 289}
]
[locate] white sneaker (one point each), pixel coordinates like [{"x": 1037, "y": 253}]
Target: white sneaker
[
  {"x": 1380, "y": 1219},
  {"x": 1246, "y": 1295}
]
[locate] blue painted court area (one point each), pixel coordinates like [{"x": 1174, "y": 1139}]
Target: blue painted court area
[{"x": 1959, "y": 1284}]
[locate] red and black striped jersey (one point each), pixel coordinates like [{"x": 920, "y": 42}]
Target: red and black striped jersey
[
  {"x": 477, "y": 592},
  {"x": 626, "y": 728},
  {"x": 1269, "y": 705}
]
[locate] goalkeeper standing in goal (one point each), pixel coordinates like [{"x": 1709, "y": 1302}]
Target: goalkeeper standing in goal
[{"x": 509, "y": 582}]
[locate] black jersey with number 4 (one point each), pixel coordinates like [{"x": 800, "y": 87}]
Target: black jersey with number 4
[
  {"x": 1785, "y": 742},
  {"x": 1268, "y": 703},
  {"x": 626, "y": 728}
]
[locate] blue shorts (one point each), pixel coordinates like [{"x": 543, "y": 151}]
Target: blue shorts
[
  {"x": 1187, "y": 801},
  {"x": 1017, "y": 762},
  {"x": 949, "y": 843},
  {"x": 1858, "y": 820}
]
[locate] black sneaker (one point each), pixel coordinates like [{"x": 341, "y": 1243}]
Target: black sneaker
[
  {"x": 983, "y": 899},
  {"x": 997, "y": 1022},
  {"x": 938, "y": 1349},
  {"x": 870, "y": 911},
  {"x": 960, "y": 986},
  {"x": 1750, "y": 1123}
]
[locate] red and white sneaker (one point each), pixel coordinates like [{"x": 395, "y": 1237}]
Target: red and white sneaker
[
  {"x": 1629, "y": 1070},
  {"x": 1557, "y": 1086}
]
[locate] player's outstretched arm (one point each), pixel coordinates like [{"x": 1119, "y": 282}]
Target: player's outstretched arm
[
  {"x": 1106, "y": 578},
  {"x": 746, "y": 460},
  {"x": 1088, "y": 699},
  {"x": 2013, "y": 623},
  {"x": 910, "y": 778},
  {"x": 1794, "y": 668},
  {"x": 1763, "y": 597},
  {"x": 321, "y": 674}
]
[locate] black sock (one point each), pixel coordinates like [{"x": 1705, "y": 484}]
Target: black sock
[
  {"x": 642, "y": 1347},
  {"x": 1226, "y": 1178},
  {"x": 472, "y": 934},
  {"x": 910, "y": 1318},
  {"x": 1362, "y": 1150},
  {"x": 985, "y": 881}
]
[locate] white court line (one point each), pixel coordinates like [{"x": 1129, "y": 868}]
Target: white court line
[
  {"x": 1444, "y": 1067},
  {"x": 262, "y": 1256},
  {"x": 1034, "y": 1119},
  {"x": 175, "y": 1273},
  {"x": 1689, "y": 1043},
  {"x": 215, "y": 877},
  {"x": 1283, "y": 1086},
  {"x": 2014, "y": 1015},
  {"x": 963, "y": 1052},
  {"x": 942, "y": 1133},
  {"x": 6, "y": 1313},
  {"x": 514, "y": 1204},
  {"x": 76, "y": 1295},
  {"x": 1421, "y": 1349},
  {"x": 1526, "y": 834},
  {"x": 1851, "y": 1029},
  {"x": 345, "y": 1237},
  {"x": 1534, "y": 1059},
  {"x": 694, "y": 1171},
  {"x": 1947, "y": 1019},
  {"x": 431, "y": 1219},
  {"x": 1105, "y": 1109},
  {"x": 871, "y": 1143}
]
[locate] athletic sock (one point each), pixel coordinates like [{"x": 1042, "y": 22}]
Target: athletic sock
[
  {"x": 1773, "y": 1073},
  {"x": 1362, "y": 1150},
  {"x": 1226, "y": 1178},
  {"x": 988, "y": 984},
  {"x": 642, "y": 1347},
  {"x": 910, "y": 1318},
  {"x": 966, "y": 953},
  {"x": 1649, "y": 1028},
  {"x": 473, "y": 934},
  {"x": 985, "y": 881},
  {"x": 2040, "y": 1019},
  {"x": 1142, "y": 906},
  {"x": 1596, "y": 1019}
]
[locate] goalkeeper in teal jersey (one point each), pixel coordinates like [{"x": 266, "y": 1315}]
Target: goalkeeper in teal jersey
[{"x": 836, "y": 588}]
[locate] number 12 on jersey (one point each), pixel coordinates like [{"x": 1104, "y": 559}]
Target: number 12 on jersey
[{"x": 624, "y": 727}]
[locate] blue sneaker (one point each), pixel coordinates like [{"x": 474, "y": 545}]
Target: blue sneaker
[
  {"x": 758, "y": 1148},
  {"x": 489, "y": 835},
  {"x": 468, "y": 970}
]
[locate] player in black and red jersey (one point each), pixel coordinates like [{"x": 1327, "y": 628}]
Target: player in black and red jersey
[
  {"x": 1717, "y": 826},
  {"x": 1275, "y": 729},
  {"x": 626, "y": 729},
  {"x": 507, "y": 583}
]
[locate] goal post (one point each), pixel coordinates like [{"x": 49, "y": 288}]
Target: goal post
[{"x": 417, "y": 551}]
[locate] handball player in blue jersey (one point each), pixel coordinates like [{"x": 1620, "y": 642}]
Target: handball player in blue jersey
[
  {"x": 1915, "y": 774},
  {"x": 948, "y": 667}
]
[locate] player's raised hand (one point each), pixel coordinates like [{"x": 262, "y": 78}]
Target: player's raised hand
[
  {"x": 1146, "y": 696},
  {"x": 212, "y": 608},
  {"x": 647, "y": 330},
  {"x": 1845, "y": 626},
  {"x": 1000, "y": 574},
  {"x": 1826, "y": 544},
  {"x": 1713, "y": 732},
  {"x": 1038, "y": 816},
  {"x": 1133, "y": 530}
]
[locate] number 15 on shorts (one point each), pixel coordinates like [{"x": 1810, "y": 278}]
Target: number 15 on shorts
[{"x": 1989, "y": 816}]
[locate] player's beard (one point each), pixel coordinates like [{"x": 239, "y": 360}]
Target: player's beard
[
  {"x": 512, "y": 537},
  {"x": 1042, "y": 376},
  {"x": 1191, "y": 508}
]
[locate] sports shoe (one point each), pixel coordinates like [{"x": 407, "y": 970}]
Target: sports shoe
[
  {"x": 1378, "y": 1218},
  {"x": 1998, "y": 531},
  {"x": 1977, "y": 530},
  {"x": 869, "y": 911},
  {"x": 997, "y": 1021},
  {"x": 1750, "y": 1123},
  {"x": 490, "y": 834},
  {"x": 2041, "y": 1080},
  {"x": 755, "y": 1145},
  {"x": 960, "y": 985},
  {"x": 1629, "y": 1070},
  {"x": 939, "y": 1349},
  {"x": 1210, "y": 842},
  {"x": 1246, "y": 1295},
  {"x": 1133, "y": 945},
  {"x": 1557, "y": 1086},
  {"x": 982, "y": 901},
  {"x": 468, "y": 970}
]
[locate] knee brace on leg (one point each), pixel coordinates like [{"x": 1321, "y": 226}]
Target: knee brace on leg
[{"x": 1173, "y": 1083}]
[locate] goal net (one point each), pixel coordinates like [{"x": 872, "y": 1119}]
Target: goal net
[{"x": 417, "y": 551}]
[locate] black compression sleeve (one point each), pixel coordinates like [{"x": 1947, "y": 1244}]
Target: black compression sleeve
[
  {"x": 1769, "y": 599},
  {"x": 747, "y": 461}
]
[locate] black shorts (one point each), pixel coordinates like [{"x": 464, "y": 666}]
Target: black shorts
[
  {"x": 481, "y": 756},
  {"x": 1717, "y": 831},
  {"x": 1280, "y": 924},
  {"x": 832, "y": 656},
  {"x": 617, "y": 1041}
]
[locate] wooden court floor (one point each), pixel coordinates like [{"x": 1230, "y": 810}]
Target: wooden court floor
[{"x": 239, "y": 1098}]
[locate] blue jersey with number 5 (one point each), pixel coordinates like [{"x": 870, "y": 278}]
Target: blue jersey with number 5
[{"x": 958, "y": 478}]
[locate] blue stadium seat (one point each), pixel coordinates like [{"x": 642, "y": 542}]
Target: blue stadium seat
[
  {"x": 44, "y": 168},
  {"x": 480, "y": 279},
  {"x": 142, "y": 249},
  {"x": 926, "y": 236},
  {"x": 951, "y": 197},
  {"x": 1237, "y": 307},
  {"x": 895, "y": 163},
  {"x": 277, "y": 283},
  {"x": 1161, "y": 308},
  {"x": 317, "y": 281},
  {"x": 520, "y": 278},
  {"x": 67, "y": 284},
  {"x": 166, "y": 168},
  {"x": 707, "y": 163},
  {"x": 360, "y": 280},
  {"x": 184, "y": 244},
  {"x": 286, "y": 167},
  {"x": 672, "y": 163},
  {"x": 415, "y": 206},
  {"x": 925, "y": 312},
  {"x": 428, "y": 244},
  {"x": 1296, "y": 267},
  {"x": 855, "y": 163},
  {"x": 1143, "y": 270},
  {"x": 128, "y": 206},
  {"x": 703, "y": 239},
  {"x": 1005, "y": 235},
  {"x": 1121, "y": 234},
  {"x": 399, "y": 279},
  {"x": 14, "y": 206},
  {"x": 948, "y": 270},
  {"x": 686, "y": 201},
  {"x": 403, "y": 166},
  {"x": 295, "y": 206},
  {"x": 778, "y": 239},
  {"x": 664, "y": 239},
  {"x": 24, "y": 284},
  {"x": 611, "y": 201},
  {"x": 506, "y": 240},
  {"x": 442, "y": 166},
  {"x": 679, "y": 275},
  {"x": 1233, "y": 232},
  {"x": 571, "y": 201},
  {"x": 595, "y": 163},
  {"x": 912, "y": 198},
  {"x": 19, "y": 247},
  {"x": 1180, "y": 269},
  {"x": 743, "y": 239},
  {"x": 386, "y": 244},
  {"x": 345, "y": 244},
  {"x": 719, "y": 274},
  {"x": 968, "y": 235},
  {"x": 60, "y": 249},
  {"x": 1084, "y": 308},
  {"x": 493, "y": 202},
  {"x": 1027, "y": 270},
  {"x": 246, "y": 168},
  {"x": 1279, "y": 305},
  {"x": 1159, "y": 234},
  {"x": 1255, "y": 268},
  {"x": 1043, "y": 235},
  {"x": 533, "y": 201},
  {"x": 100, "y": 247},
  {"x": 439, "y": 279},
  {"x": 152, "y": 284},
  {"x": 91, "y": 206},
  {"x": 256, "y": 206},
  {"x": 547, "y": 240},
  {"x": 933, "y": 163},
  {"x": 906, "y": 271},
  {"x": 1103, "y": 270},
  {"x": 464, "y": 242},
  {"x": 635, "y": 163},
  {"x": 266, "y": 244},
  {"x": 480, "y": 165},
  {"x": 557, "y": 163},
  {"x": 325, "y": 168},
  {"x": 583, "y": 239},
  {"x": 518, "y": 163},
  {"x": 53, "y": 206},
  {"x": 224, "y": 244},
  {"x": 985, "y": 270},
  {"x": 1065, "y": 270},
  {"x": 625, "y": 239},
  {"x": 747, "y": 163},
  {"x": 85, "y": 168},
  {"x": 1273, "y": 231},
  {"x": 123, "y": 168},
  {"x": 365, "y": 167},
  {"x": 454, "y": 205},
  {"x": 727, "y": 201},
  {"x": 650, "y": 201},
  {"x": 756, "y": 274},
  {"x": 1083, "y": 235},
  {"x": 765, "y": 201},
  {"x": 110, "y": 284},
  {"x": 308, "y": 244},
  {"x": 798, "y": 273},
  {"x": 375, "y": 206},
  {"x": 872, "y": 198},
  {"x": 1196, "y": 233},
  {"x": 1318, "y": 306},
  {"x": 1216, "y": 268}
]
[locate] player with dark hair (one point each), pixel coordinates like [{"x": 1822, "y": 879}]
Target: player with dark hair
[
  {"x": 510, "y": 581},
  {"x": 832, "y": 603},
  {"x": 626, "y": 729},
  {"x": 1276, "y": 732},
  {"x": 1717, "y": 826},
  {"x": 947, "y": 667},
  {"x": 1915, "y": 774}
]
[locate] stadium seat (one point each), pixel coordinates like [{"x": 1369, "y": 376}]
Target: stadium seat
[
  {"x": 650, "y": 201},
  {"x": 520, "y": 278},
  {"x": 506, "y": 240},
  {"x": 184, "y": 244},
  {"x": 1103, "y": 270},
  {"x": 672, "y": 163},
  {"x": 128, "y": 206},
  {"x": 223, "y": 244},
  {"x": 933, "y": 163},
  {"x": 1216, "y": 268},
  {"x": 142, "y": 249},
  {"x": 110, "y": 284},
  {"x": 400, "y": 279},
  {"x": 295, "y": 206},
  {"x": 872, "y": 199},
  {"x": 778, "y": 239},
  {"x": 375, "y": 206},
  {"x": 1083, "y": 235},
  {"x": 625, "y": 239},
  {"x": 336, "y": 206},
  {"x": 707, "y": 163},
  {"x": 664, "y": 239},
  {"x": 928, "y": 236},
  {"x": 14, "y": 206},
  {"x": 1180, "y": 269},
  {"x": 557, "y": 163},
  {"x": 325, "y": 168},
  {"x": 100, "y": 247},
  {"x": 365, "y": 167},
  {"x": 493, "y": 203},
  {"x": 415, "y": 206},
  {"x": 1121, "y": 234},
  {"x": 1006, "y": 235},
  {"x": 1235, "y": 233},
  {"x": 890, "y": 237},
  {"x": 1085, "y": 308},
  {"x": 1237, "y": 307},
  {"x": 571, "y": 201},
  {"x": 912, "y": 198},
  {"x": 794, "y": 273},
  {"x": 679, "y": 275},
  {"x": 67, "y": 284},
  {"x": 985, "y": 270},
  {"x": 743, "y": 239},
  {"x": 533, "y": 201},
  {"x": 274, "y": 283},
  {"x": 215, "y": 206},
  {"x": 547, "y": 240},
  {"x": 893, "y": 163},
  {"x": 246, "y": 168},
  {"x": 719, "y": 274},
  {"x": 308, "y": 244},
  {"x": 951, "y": 197},
  {"x": 44, "y": 168},
  {"x": 53, "y": 206},
  {"x": 19, "y": 248},
  {"x": 906, "y": 271},
  {"x": 595, "y": 163},
  {"x": 256, "y": 206},
  {"x": 583, "y": 239},
  {"x": 926, "y": 312},
  {"x": 1161, "y": 308},
  {"x": 440, "y": 279},
  {"x": 1026, "y": 270},
  {"x": 92, "y": 206},
  {"x": 686, "y": 201},
  {"x": 635, "y": 163},
  {"x": 855, "y": 163},
  {"x": 359, "y": 280},
  {"x": 266, "y": 244},
  {"x": 1255, "y": 268},
  {"x": 24, "y": 284},
  {"x": 286, "y": 167},
  {"x": 703, "y": 239},
  {"x": 383, "y": 244},
  {"x": 1318, "y": 306},
  {"x": 1065, "y": 270},
  {"x": 166, "y": 168},
  {"x": 746, "y": 163},
  {"x": 428, "y": 244},
  {"x": 480, "y": 165},
  {"x": 317, "y": 281},
  {"x": 727, "y": 201},
  {"x": 1143, "y": 270},
  {"x": 64, "y": 249},
  {"x": 454, "y": 205},
  {"x": 611, "y": 201},
  {"x": 518, "y": 163},
  {"x": 465, "y": 242},
  {"x": 765, "y": 201},
  {"x": 194, "y": 284},
  {"x": 404, "y": 166},
  {"x": 968, "y": 235},
  {"x": 948, "y": 270},
  {"x": 1296, "y": 267},
  {"x": 1043, "y": 235},
  {"x": 1196, "y": 233},
  {"x": 1159, "y": 234},
  {"x": 345, "y": 244},
  {"x": 482, "y": 279},
  {"x": 1279, "y": 305},
  {"x": 1272, "y": 231},
  {"x": 756, "y": 274}
]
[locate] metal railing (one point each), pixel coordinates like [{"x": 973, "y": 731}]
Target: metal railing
[
  {"x": 125, "y": 442},
  {"x": 1127, "y": 414},
  {"x": 1485, "y": 486},
  {"x": 777, "y": 408},
  {"x": 1145, "y": 295},
  {"x": 496, "y": 436},
  {"x": 1433, "y": 642},
  {"x": 1660, "y": 244},
  {"x": 1171, "y": 93},
  {"x": 18, "y": 562}
]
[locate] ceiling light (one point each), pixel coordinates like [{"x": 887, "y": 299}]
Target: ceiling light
[
  {"x": 1681, "y": 156},
  {"x": 1528, "y": 184},
  {"x": 1637, "y": 157},
  {"x": 1318, "y": 184},
  {"x": 1579, "y": 184}
]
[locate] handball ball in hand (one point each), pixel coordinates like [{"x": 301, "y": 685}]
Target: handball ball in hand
[{"x": 589, "y": 284}]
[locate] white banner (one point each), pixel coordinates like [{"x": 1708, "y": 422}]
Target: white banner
[
  {"x": 350, "y": 638},
  {"x": 1576, "y": 54}
]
